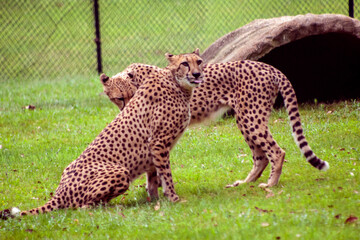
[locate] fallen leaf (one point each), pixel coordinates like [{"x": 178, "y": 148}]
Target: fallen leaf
[
  {"x": 263, "y": 210},
  {"x": 351, "y": 219},
  {"x": 265, "y": 224},
  {"x": 29, "y": 230},
  {"x": 337, "y": 216},
  {"x": 278, "y": 238},
  {"x": 141, "y": 186},
  {"x": 29, "y": 107},
  {"x": 268, "y": 190},
  {"x": 342, "y": 149},
  {"x": 279, "y": 120},
  {"x": 121, "y": 214},
  {"x": 281, "y": 191},
  {"x": 270, "y": 195},
  {"x": 157, "y": 206}
]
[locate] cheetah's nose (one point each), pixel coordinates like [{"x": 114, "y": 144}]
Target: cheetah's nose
[{"x": 196, "y": 75}]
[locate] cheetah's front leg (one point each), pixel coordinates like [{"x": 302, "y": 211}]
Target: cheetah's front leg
[{"x": 160, "y": 154}]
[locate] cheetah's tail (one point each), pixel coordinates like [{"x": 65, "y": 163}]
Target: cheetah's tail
[
  {"x": 15, "y": 212},
  {"x": 290, "y": 101}
]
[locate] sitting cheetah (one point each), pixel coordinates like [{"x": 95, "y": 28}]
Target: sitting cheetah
[
  {"x": 250, "y": 89},
  {"x": 137, "y": 141}
]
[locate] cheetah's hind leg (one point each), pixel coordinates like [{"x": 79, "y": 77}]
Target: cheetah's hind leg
[
  {"x": 152, "y": 184},
  {"x": 260, "y": 162},
  {"x": 109, "y": 184}
]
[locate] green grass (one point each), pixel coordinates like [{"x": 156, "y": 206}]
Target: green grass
[{"x": 307, "y": 204}]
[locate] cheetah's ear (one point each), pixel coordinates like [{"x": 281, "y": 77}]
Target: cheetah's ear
[
  {"x": 104, "y": 78},
  {"x": 169, "y": 57},
  {"x": 197, "y": 52},
  {"x": 131, "y": 74}
]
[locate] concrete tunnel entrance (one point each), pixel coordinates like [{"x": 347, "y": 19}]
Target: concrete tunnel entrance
[
  {"x": 323, "y": 67},
  {"x": 320, "y": 54}
]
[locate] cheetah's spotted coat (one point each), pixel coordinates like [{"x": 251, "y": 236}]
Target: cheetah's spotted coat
[
  {"x": 137, "y": 141},
  {"x": 250, "y": 89}
]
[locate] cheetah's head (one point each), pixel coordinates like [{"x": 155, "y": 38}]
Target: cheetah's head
[
  {"x": 187, "y": 68},
  {"x": 120, "y": 88}
]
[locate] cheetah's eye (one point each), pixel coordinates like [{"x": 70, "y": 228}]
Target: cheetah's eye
[
  {"x": 120, "y": 99},
  {"x": 186, "y": 64},
  {"x": 199, "y": 62}
]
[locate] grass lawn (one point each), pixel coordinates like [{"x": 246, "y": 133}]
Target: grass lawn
[{"x": 36, "y": 145}]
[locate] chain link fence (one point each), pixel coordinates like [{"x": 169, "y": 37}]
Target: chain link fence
[{"x": 54, "y": 39}]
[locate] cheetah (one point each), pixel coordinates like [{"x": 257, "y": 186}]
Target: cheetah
[
  {"x": 250, "y": 89},
  {"x": 137, "y": 141}
]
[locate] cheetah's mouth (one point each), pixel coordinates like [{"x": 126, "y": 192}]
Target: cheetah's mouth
[{"x": 195, "y": 81}]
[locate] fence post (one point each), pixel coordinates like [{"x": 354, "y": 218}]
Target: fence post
[
  {"x": 351, "y": 8},
  {"x": 97, "y": 36}
]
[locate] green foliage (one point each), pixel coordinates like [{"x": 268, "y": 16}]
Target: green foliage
[{"x": 36, "y": 145}]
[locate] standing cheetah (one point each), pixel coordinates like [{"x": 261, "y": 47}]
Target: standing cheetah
[
  {"x": 137, "y": 141},
  {"x": 250, "y": 89}
]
